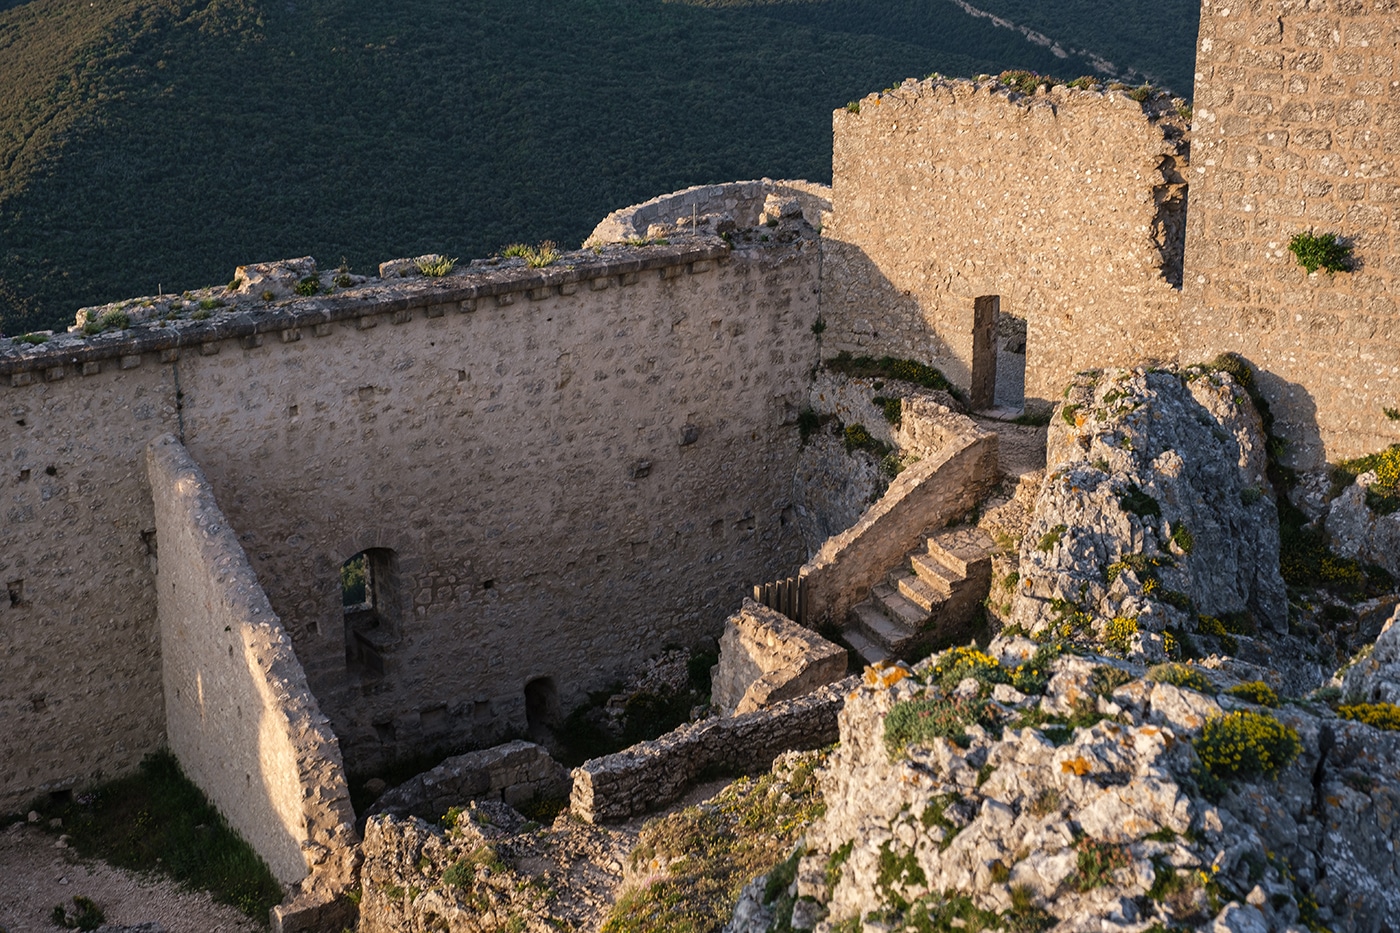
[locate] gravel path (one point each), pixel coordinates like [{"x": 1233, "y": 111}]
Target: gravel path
[{"x": 36, "y": 875}]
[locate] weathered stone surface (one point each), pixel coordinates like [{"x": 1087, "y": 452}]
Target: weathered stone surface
[
  {"x": 1067, "y": 204},
  {"x": 347, "y": 439},
  {"x": 651, "y": 774},
  {"x": 515, "y": 773},
  {"x": 1374, "y": 677},
  {"x": 765, "y": 657},
  {"x": 1357, "y": 532},
  {"x": 1285, "y": 139},
  {"x": 1155, "y": 511},
  {"x": 239, "y": 714},
  {"x": 1010, "y": 808},
  {"x": 717, "y": 208}
]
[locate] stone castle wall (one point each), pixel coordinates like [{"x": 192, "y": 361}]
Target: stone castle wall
[
  {"x": 571, "y": 466},
  {"x": 239, "y": 715},
  {"x": 1297, "y": 126},
  {"x": 1067, "y": 204}
]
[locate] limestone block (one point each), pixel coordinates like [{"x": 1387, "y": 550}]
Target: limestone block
[{"x": 765, "y": 657}]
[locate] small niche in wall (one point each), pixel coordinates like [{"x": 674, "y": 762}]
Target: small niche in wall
[{"x": 15, "y": 590}]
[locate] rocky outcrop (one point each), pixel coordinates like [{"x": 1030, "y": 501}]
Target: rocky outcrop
[
  {"x": 1155, "y": 518},
  {"x": 765, "y": 657},
  {"x": 1374, "y": 676},
  {"x": 974, "y": 786},
  {"x": 1359, "y": 532},
  {"x": 515, "y": 773}
]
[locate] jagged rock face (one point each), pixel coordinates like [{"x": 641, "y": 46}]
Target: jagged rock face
[
  {"x": 1155, "y": 511},
  {"x": 1107, "y": 830},
  {"x": 1374, "y": 677},
  {"x": 1357, "y": 532}
]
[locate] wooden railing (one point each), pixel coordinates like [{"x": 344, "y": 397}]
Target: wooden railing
[{"x": 788, "y": 596}]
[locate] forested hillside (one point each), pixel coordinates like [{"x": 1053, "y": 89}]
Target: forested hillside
[{"x": 156, "y": 145}]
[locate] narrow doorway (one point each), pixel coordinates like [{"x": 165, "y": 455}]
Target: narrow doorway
[
  {"x": 541, "y": 708},
  {"x": 982, "y": 391}
]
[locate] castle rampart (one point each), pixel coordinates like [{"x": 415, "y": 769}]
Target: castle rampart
[
  {"x": 1297, "y": 126},
  {"x": 1067, "y": 205},
  {"x": 564, "y": 469}
]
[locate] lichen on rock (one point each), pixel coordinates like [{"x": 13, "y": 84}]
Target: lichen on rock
[{"x": 1156, "y": 517}]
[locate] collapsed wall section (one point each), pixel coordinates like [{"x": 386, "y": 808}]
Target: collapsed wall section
[
  {"x": 1297, "y": 123},
  {"x": 239, "y": 714},
  {"x": 1067, "y": 204}
]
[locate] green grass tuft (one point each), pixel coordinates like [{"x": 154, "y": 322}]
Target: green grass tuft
[{"x": 156, "y": 820}]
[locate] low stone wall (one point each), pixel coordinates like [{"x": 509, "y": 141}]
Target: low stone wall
[
  {"x": 743, "y": 201},
  {"x": 652, "y": 774},
  {"x": 924, "y": 497},
  {"x": 765, "y": 657},
  {"x": 239, "y": 715},
  {"x": 514, "y": 773}
]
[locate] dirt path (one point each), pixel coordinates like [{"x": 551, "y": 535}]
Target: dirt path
[{"x": 36, "y": 876}]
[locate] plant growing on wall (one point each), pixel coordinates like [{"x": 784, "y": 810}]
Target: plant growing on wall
[{"x": 1320, "y": 251}]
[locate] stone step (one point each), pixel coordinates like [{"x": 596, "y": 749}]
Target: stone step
[
  {"x": 878, "y": 627},
  {"x": 939, "y": 576},
  {"x": 959, "y": 548},
  {"x": 897, "y": 607},
  {"x": 868, "y": 651},
  {"x": 918, "y": 590}
]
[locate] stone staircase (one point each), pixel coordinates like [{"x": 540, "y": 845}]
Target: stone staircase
[{"x": 930, "y": 600}]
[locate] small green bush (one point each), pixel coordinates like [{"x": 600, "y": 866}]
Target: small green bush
[
  {"x": 1255, "y": 691},
  {"x": 1134, "y": 499},
  {"x": 434, "y": 266},
  {"x": 1051, "y": 538},
  {"x": 1026, "y": 82},
  {"x": 889, "y": 367},
  {"x": 33, "y": 339},
  {"x": 918, "y": 722},
  {"x": 1180, "y": 675},
  {"x": 1245, "y": 745},
  {"x": 1381, "y": 715},
  {"x": 308, "y": 286},
  {"x": 891, "y": 408},
  {"x": 1383, "y": 496},
  {"x": 857, "y": 437},
  {"x": 210, "y": 304},
  {"x": 1120, "y": 632},
  {"x": 853, "y": 106},
  {"x": 86, "y": 915},
  {"x": 1067, "y": 412},
  {"x": 1182, "y": 538},
  {"x": 1097, "y": 861},
  {"x": 1320, "y": 251},
  {"x": 1142, "y": 92}
]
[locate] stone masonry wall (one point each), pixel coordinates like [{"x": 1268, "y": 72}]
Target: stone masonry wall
[
  {"x": 1067, "y": 204},
  {"x": 1297, "y": 125},
  {"x": 652, "y": 774},
  {"x": 239, "y": 715},
  {"x": 80, "y": 681},
  {"x": 572, "y": 466}
]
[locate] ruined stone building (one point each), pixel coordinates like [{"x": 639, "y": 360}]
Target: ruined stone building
[{"x": 550, "y": 473}]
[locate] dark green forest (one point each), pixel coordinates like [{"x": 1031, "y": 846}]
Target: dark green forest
[{"x": 156, "y": 145}]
